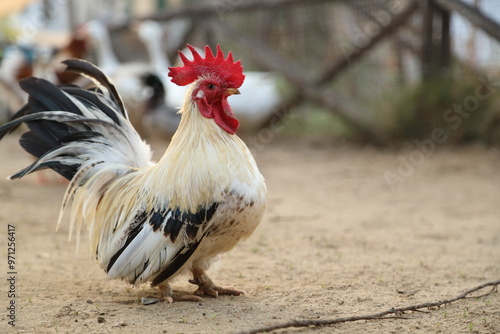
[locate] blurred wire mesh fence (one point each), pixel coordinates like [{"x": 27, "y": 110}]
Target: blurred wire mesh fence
[{"x": 375, "y": 70}]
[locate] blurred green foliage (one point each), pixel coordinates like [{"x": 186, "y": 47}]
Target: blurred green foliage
[{"x": 463, "y": 103}]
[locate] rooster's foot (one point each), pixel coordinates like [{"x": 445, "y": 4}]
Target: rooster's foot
[
  {"x": 167, "y": 295},
  {"x": 207, "y": 287}
]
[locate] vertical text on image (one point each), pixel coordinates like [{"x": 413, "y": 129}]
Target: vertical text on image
[{"x": 11, "y": 274}]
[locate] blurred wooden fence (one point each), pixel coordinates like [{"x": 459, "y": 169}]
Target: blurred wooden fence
[{"x": 430, "y": 42}]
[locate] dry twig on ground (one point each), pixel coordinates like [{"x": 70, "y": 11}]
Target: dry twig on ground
[{"x": 392, "y": 313}]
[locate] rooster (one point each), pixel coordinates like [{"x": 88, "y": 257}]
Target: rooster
[{"x": 149, "y": 221}]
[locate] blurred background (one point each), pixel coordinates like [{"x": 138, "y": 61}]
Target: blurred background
[{"x": 384, "y": 72}]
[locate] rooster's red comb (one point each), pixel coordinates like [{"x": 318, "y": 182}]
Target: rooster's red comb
[{"x": 227, "y": 69}]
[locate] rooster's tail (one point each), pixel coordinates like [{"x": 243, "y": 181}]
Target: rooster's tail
[
  {"x": 79, "y": 134},
  {"x": 73, "y": 130}
]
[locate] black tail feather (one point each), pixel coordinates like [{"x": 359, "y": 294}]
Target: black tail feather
[
  {"x": 48, "y": 95},
  {"x": 87, "y": 68},
  {"x": 65, "y": 121},
  {"x": 43, "y": 95},
  {"x": 91, "y": 99},
  {"x": 20, "y": 113},
  {"x": 33, "y": 145}
]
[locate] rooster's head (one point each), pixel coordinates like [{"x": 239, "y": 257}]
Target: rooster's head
[{"x": 215, "y": 78}]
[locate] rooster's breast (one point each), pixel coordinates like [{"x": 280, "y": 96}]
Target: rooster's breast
[{"x": 237, "y": 216}]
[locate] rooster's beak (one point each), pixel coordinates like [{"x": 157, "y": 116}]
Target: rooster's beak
[{"x": 232, "y": 91}]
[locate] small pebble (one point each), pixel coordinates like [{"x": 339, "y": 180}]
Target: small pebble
[
  {"x": 149, "y": 301},
  {"x": 120, "y": 324},
  {"x": 100, "y": 320}
]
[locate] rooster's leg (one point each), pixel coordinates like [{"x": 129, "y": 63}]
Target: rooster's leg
[
  {"x": 167, "y": 294},
  {"x": 207, "y": 287}
]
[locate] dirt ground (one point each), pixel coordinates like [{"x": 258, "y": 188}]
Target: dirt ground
[{"x": 337, "y": 240}]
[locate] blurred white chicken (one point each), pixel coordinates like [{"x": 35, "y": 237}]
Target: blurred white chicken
[
  {"x": 151, "y": 35},
  {"x": 149, "y": 221},
  {"x": 137, "y": 82}
]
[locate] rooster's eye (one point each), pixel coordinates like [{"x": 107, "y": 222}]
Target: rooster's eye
[{"x": 211, "y": 86}]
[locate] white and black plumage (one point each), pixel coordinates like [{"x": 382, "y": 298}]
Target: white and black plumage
[{"x": 149, "y": 221}]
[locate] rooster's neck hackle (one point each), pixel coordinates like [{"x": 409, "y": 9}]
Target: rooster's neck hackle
[
  {"x": 210, "y": 158},
  {"x": 203, "y": 161}
]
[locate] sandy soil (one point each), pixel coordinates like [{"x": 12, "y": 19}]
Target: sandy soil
[{"x": 336, "y": 240}]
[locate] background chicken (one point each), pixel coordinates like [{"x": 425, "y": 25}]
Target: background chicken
[
  {"x": 147, "y": 221},
  {"x": 142, "y": 89}
]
